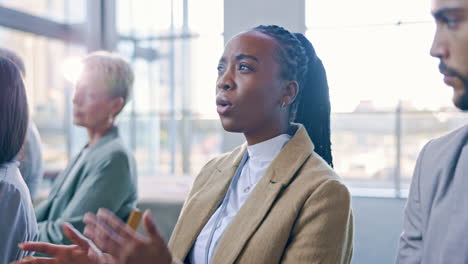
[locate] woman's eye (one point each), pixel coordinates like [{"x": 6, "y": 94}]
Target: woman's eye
[
  {"x": 244, "y": 68},
  {"x": 220, "y": 68}
]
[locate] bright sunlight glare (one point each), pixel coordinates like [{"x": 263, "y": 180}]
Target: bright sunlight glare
[{"x": 72, "y": 68}]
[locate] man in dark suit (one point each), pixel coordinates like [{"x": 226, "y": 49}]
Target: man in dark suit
[{"x": 436, "y": 221}]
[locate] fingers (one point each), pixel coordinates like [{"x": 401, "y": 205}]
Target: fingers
[
  {"x": 102, "y": 235},
  {"x": 46, "y": 248},
  {"x": 156, "y": 241},
  {"x": 36, "y": 260},
  {"x": 75, "y": 236},
  {"x": 116, "y": 224},
  {"x": 80, "y": 240},
  {"x": 150, "y": 228}
]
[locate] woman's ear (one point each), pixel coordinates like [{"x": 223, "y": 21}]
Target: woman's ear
[
  {"x": 289, "y": 93},
  {"x": 117, "y": 105}
]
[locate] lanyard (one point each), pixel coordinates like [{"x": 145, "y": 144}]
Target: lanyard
[{"x": 224, "y": 204}]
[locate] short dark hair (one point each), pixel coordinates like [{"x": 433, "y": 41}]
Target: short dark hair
[
  {"x": 13, "y": 111},
  {"x": 299, "y": 62}
]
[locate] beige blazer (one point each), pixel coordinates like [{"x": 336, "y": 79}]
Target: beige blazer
[{"x": 299, "y": 212}]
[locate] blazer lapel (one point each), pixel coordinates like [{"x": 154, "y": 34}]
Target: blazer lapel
[
  {"x": 201, "y": 206},
  {"x": 62, "y": 177},
  {"x": 278, "y": 175},
  {"x": 113, "y": 133}
]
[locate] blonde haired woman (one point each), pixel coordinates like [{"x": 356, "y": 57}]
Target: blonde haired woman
[{"x": 103, "y": 173}]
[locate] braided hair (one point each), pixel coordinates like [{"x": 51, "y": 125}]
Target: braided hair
[{"x": 311, "y": 107}]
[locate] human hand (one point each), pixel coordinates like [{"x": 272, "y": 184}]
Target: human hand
[
  {"x": 83, "y": 252},
  {"x": 126, "y": 246}
]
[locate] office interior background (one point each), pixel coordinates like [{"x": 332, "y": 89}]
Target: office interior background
[{"x": 387, "y": 96}]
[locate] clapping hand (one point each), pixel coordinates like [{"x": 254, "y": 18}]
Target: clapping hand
[
  {"x": 82, "y": 252},
  {"x": 126, "y": 246}
]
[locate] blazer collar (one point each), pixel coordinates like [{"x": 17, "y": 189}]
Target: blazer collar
[
  {"x": 203, "y": 203},
  {"x": 294, "y": 153},
  {"x": 281, "y": 171},
  {"x": 112, "y": 134},
  {"x": 292, "y": 156}
]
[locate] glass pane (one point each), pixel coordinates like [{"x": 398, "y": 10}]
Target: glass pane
[
  {"x": 199, "y": 143},
  {"x": 146, "y": 18},
  {"x": 171, "y": 121},
  {"x": 363, "y": 147},
  {"x": 376, "y": 54},
  {"x": 65, "y": 11},
  {"x": 364, "y": 13},
  {"x": 420, "y": 127},
  {"x": 47, "y": 89},
  {"x": 381, "y": 65}
]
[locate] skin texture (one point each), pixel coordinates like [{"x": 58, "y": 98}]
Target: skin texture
[
  {"x": 108, "y": 233},
  {"x": 449, "y": 45},
  {"x": 249, "y": 82},
  {"x": 251, "y": 99},
  {"x": 83, "y": 251},
  {"x": 93, "y": 106}
]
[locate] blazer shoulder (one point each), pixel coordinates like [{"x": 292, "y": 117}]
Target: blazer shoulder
[
  {"x": 454, "y": 138},
  {"x": 316, "y": 170},
  {"x": 114, "y": 149},
  {"x": 115, "y": 145},
  {"x": 444, "y": 149}
]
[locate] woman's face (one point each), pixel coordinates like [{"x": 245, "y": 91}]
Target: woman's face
[
  {"x": 93, "y": 106},
  {"x": 249, "y": 87}
]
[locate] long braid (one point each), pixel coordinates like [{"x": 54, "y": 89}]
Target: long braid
[{"x": 311, "y": 107}]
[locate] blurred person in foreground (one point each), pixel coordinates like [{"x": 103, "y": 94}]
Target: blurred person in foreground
[
  {"x": 274, "y": 199},
  {"x": 30, "y": 157},
  {"x": 103, "y": 174},
  {"x": 17, "y": 219},
  {"x": 436, "y": 222}
]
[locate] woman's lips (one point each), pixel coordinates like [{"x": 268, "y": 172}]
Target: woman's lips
[
  {"x": 223, "y": 106},
  {"x": 223, "y": 109}
]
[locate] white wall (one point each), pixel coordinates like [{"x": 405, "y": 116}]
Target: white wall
[{"x": 240, "y": 15}]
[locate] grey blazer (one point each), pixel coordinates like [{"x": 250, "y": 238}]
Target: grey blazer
[{"x": 435, "y": 227}]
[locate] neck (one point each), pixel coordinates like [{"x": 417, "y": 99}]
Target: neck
[
  {"x": 265, "y": 133},
  {"x": 96, "y": 133}
]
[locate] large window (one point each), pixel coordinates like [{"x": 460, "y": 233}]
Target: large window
[
  {"x": 44, "y": 47},
  {"x": 47, "y": 89},
  {"x": 388, "y": 98},
  {"x": 66, "y": 11},
  {"x": 171, "y": 123}
]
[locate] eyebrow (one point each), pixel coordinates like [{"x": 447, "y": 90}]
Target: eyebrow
[
  {"x": 440, "y": 14},
  {"x": 240, "y": 57},
  {"x": 245, "y": 56}
]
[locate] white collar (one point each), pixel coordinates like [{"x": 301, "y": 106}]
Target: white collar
[{"x": 268, "y": 149}]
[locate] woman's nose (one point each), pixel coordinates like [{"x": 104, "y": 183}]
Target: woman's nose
[{"x": 225, "y": 81}]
